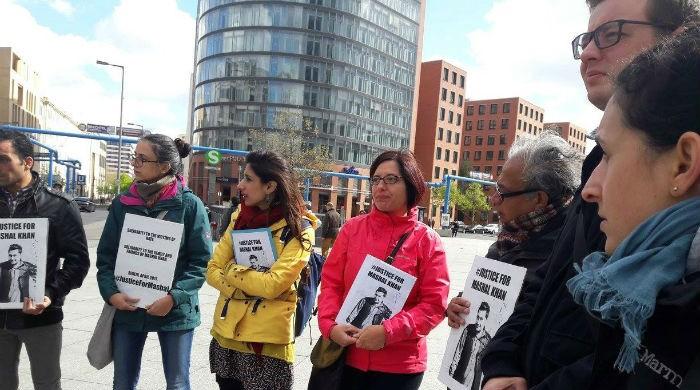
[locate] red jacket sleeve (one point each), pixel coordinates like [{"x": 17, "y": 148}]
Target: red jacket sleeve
[
  {"x": 433, "y": 284},
  {"x": 332, "y": 285}
]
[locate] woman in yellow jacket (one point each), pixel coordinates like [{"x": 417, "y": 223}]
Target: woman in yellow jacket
[{"x": 253, "y": 331}]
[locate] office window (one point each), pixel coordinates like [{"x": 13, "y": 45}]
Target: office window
[
  {"x": 445, "y": 74},
  {"x": 311, "y": 73},
  {"x": 449, "y": 136},
  {"x": 467, "y": 140},
  {"x": 465, "y": 155},
  {"x": 526, "y": 110},
  {"x": 470, "y": 110},
  {"x": 482, "y": 109},
  {"x": 443, "y": 95},
  {"x": 447, "y": 155},
  {"x": 437, "y": 172},
  {"x": 502, "y": 139},
  {"x": 452, "y": 97},
  {"x": 487, "y": 170},
  {"x": 531, "y": 111},
  {"x": 492, "y": 124},
  {"x": 521, "y": 108},
  {"x": 519, "y": 123},
  {"x": 442, "y": 114},
  {"x": 499, "y": 169},
  {"x": 480, "y": 124},
  {"x": 454, "y": 156},
  {"x": 479, "y": 141},
  {"x": 501, "y": 155},
  {"x": 460, "y": 100},
  {"x": 491, "y": 140},
  {"x": 456, "y": 138},
  {"x": 504, "y": 123},
  {"x": 314, "y": 23},
  {"x": 489, "y": 155},
  {"x": 440, "y": 130},
  {"x": 494, "y": 108},
  {"x": 459, "y": 119},
  {"x": 451, "y": 117},
  {"x": 529, "y": 129},
  {"x": 438, "y": 153},
  {"x": 506, "y": 108},
  {"x": 469, "y": 125},
  {"x": 444, "y": 171},
  {"x": 461, "y": 81},
  {"x": 477, "y": 155},
  {"x": 454, "y": 78}
]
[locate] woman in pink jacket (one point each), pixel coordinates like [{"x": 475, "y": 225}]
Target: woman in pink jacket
[{"x": 392, "y": 355}]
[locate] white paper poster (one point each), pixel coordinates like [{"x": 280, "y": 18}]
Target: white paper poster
[
  {"x": 253, "y": 248},
  {"x": 379, "y": 292},
  {"x": 23, "y": 252},
  {"x": 492, "y": 288},
  {"x": 146, "y": 259}
]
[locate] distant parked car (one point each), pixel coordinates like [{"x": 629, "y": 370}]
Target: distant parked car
[
  {"x": 478, "y": 229},
  {"x": 85, "y": 204},
  {"x": 491, "y": 228}
]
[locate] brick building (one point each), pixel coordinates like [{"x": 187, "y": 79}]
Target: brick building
[
  {"x": 573, "y": 134},
  {"x": 439, "y": 125}
]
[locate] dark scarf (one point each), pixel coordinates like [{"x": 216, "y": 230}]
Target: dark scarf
[
  {"x": 520, "y": 229},
  {"x": 151, "y": 192},
  {"x": 254, "y": 217}
]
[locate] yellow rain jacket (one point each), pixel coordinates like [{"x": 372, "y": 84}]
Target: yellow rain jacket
[{"x": 258, "y": 307}]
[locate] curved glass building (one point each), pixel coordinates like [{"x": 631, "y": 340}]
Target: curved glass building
[{"x": 349, "y": 66}]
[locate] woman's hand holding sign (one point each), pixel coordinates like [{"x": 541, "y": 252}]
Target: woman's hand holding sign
[
  {"x": 344, "y": 334},
  {"x": 123, "y": 302},
  {"x": 161, "y": 307},
  {"x": 371, "y": 338}
]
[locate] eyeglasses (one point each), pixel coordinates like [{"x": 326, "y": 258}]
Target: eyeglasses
[
  {"x": 137, "y": 162},
  {"x": 388, "y": 180},
  {"x": 497, "y": 196},
  {"x": 606, "y": 35}
]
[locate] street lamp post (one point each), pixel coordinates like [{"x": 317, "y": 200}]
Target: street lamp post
[{"x": 119, "y": 131}]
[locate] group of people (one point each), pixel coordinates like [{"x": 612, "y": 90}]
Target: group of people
[{"x": 610, "y": 300}]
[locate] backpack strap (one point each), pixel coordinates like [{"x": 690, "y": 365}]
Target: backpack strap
[
  {"x": 390, "y": 258},
  {"x": 162, "y": 214}
]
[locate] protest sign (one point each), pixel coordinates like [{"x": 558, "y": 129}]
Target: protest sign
[
  {"x": 23, "y": 252},
  {"x": 492, "y": 288},
  {"x": 146, "y": 259},
  {"x": 253, "y": 248},
  {"x": 379, "y": 292}
]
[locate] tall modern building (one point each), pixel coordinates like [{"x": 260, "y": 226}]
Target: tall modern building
[{"x": 351, "y": 67}]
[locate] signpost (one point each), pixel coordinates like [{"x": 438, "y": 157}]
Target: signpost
[{"x": 213, "y": 157}]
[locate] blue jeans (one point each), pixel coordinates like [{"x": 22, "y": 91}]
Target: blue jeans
[{"x": 175, "y": 347}]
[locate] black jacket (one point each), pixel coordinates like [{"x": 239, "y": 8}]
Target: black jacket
[
  {"x": 66, "y": 240},
  {"x": 548, "y": 339},
  {"x": 331, "y": 224},
  {"x": 670, "y": 342}
]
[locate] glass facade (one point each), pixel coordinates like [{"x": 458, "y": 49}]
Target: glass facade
[{"x": 348, "y": 66}]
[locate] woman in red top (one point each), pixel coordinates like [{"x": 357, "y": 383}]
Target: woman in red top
[{"x": 392, "y": 355}]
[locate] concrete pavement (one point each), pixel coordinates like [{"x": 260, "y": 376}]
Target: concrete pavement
[{"x": 83, "y": 306}]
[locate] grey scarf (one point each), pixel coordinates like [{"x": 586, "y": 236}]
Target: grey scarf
[{"x": 149, "y": 191}]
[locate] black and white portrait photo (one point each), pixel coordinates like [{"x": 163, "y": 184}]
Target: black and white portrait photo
[
  {"x": 256, "y": 265},
  {"x": 370, "y": 310},
  {"x": 17, "y": 276},
  {"x": 466, "y": 362}
]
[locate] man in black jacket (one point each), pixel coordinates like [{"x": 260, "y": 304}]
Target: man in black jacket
[
  {"x": 38, "y": 325},
  {"x": 548, "y": 341}
]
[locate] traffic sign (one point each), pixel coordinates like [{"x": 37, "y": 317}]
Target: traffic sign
[
  {"x": 213, "y": 157},
  {"x": 81, "y": 179}
]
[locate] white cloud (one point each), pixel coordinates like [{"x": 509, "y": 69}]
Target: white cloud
[
  {"x": 62, "y": 6},
  {"x": 152, "y": 39},
  {"x": 525, "y": 50}
]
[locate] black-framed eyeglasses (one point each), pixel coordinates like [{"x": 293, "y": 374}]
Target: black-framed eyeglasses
[
  {"x": 388, "y": 179},
  {"x": 606, "y": 35},
  {"x": 139, "y": 161},
  {"x": 497, "y": 196}
]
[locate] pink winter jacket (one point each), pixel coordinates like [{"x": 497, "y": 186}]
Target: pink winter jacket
[{"x": 421, "y": 255}]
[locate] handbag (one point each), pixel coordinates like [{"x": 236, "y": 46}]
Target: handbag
[
  {"x": 328, "y": 357},
  {"x": 99, "y": 351}
]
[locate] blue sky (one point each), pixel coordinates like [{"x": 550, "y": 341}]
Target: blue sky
[{"x": 508, "y": 48}]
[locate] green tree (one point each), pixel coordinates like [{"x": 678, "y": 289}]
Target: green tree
[
  {"x": 294, "y": 138},
  {"x": 109, "y": 186},
  {"x": 472, "y": 200}
]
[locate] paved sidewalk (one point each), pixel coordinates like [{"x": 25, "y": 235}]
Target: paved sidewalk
[{"x": 83, "y": 307}]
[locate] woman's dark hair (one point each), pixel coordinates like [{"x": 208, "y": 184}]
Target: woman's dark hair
[
  {"x": 269, "y": 166},
  {"x": 410, "y": 172},
  {"x": 169, "y": 151},
  {"x": 671, "y": 13},
  {"x": 659, "y": 91}
]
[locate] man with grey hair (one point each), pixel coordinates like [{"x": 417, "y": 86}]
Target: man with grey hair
[{"x": 531, "y": 195}]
